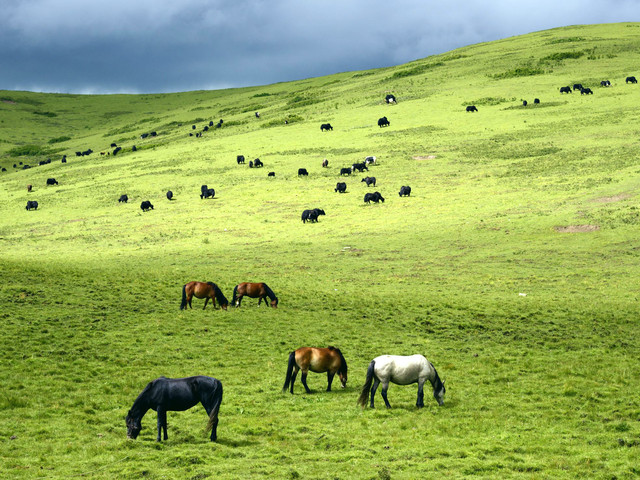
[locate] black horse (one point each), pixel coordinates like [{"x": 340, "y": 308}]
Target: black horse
[{"x": 176, "y": 394}]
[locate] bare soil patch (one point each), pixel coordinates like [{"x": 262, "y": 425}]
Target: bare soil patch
[
  {"x": 615, "y": 198},
  {"x": 424, "y": 157},
  {"x": 9, "y": 101},
  {"x": 578, "y": 228}
]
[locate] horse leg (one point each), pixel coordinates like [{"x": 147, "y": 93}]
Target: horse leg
[
  {"x": 303, "y": 378},
  {"x": 329, "y": 380},
  {"x": 293, "y": 377},
  {"x": 260, "y": 300},
  {"x": 206, "y": 300},
  {"x": 376, "y": 382},
  {"x": 162, "y": 423},
  {"x": 420, "y": 401},
  {"x": 214, "y": 426},
  {"x": 383, "y": 392}
]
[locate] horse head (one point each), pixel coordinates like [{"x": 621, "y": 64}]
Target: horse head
[
  {"x": 133, "y": 427},
  {"x": 438, "y": 394},
  {"x": 343, "y": 378},
  {"x": 274, "y": 303}
]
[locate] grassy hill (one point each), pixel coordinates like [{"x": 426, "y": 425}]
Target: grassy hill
[{"x": 513, "y": 267}]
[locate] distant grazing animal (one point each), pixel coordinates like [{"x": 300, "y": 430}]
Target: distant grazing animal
[
  {"x": 29, "y": 187},
  {"x": 565, "y": 90},
  {"x": 205, "y": 129},
  {"x": 134, "y": 149},
  {"x": 64, "y": 159},
  {"x": 345, "y": 171},
  {"x": 405, "y": 191},
  {"x": 87, "y": 152},
  {"x": 390, "y": 99},
  {"x": 208, "y": 193},
  {"x": 219, "y": 125},
  {"x": 78, "y": 154},
  {"x": 146, "y": 205},
  {"x": 325, "y": 163},
  {"x": 176, "y": 394},
  {"x": 52, "y": 181},
  {"x": 341, "y": 187},
  {"x": 193, "y": 127},
  {"x": 153, "y": 134},
  {"x": 254, "y": 290},
  {"x": 361, "y": 167},
  {"x": 369, "y": 181},
  {"x": 250, "y": 163},
  {"x": 312, "y": 215},
  {"x": 257, "y": 163},
  {"x": 374, "y": 197},
  {"x": 577, "y": 86},
  {"x": 325, "y": 126},
  {"x": 471, "y": 108},
  {"x": 4, "y": 169},
  {"x": 318, "y": 360},
  {"x": 123, "y": 198},
  {"x": 383, "y": 122},
  {"x": 169, "y": 195},
  {"x": 271, "y": 174},
  {"x": 605, "y": 83},
  {"x": 26, "y": 166},
  {"x": 631, "y": 80},
  {"x": 240, "y": 159},
  {"x": 369, "y": 160},
  {"x": 145, "y": 135},
  {"x": 524, "y": 103},
  {"x": 257, "y": 114},
  {"x": 536, "y": 100},
  {"x": 116, "y": 150},
  {"x": 586, "y": 91},
  {"x": 32, "y": 205},
  {"x": 206, "y": 290},
  {"x": 302, "y": 171},
  {"x": 114, "y": 144},
  {"x": 211, "y": 123},
  {"x": 401, "y": 370}
]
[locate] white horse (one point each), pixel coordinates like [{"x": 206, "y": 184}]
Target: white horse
[{"x": 401, "y": 370}]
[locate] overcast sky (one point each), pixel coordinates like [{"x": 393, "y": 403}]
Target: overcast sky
[{"x": 136, "y": 46}]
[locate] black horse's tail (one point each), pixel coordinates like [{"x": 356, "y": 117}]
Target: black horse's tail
[
  {"x": 235, "y": 295},
  {"x": 183, "y": 305},
  {"x": 362, "y": 400},
  {"x": 292, "y": 362},
  {"x": 213, "y": 416}
]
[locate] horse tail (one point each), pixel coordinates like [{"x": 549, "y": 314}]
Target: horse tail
[
  {"x": 217, "y": 400},
  {"x": 292, "y": 362},
  {"x": 183, "y": 305},
  {"x": 235, "y": 295},
  {"x": 362, "y": 400}
]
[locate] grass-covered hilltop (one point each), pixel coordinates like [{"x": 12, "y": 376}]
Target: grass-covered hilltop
[{"x": 513, "y": 267}]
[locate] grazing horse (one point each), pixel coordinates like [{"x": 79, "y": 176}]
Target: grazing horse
[
  {"x": 401, "y": 370},
  {"x": 254, "y": 290},
  {"x": 317, "y": 360},
  {"x": 176, "y": 394},
  {"x": 208, "y": 290}
]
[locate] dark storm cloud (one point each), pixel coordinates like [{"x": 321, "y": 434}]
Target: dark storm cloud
[{"x": 159, "y": 46}]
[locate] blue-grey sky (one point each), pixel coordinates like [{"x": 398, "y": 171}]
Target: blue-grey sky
[{"x": 136, "y": 46}]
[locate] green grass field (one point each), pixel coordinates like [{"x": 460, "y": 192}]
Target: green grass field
[{"x": 513, "y": 267}]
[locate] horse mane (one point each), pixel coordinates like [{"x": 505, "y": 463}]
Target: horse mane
[
  {"x": 270, "y": 294},
  {"x": 436, "y": 382},
  {"x": 219, "y": 295},
  {"x": 343, "y": 361},
  {"x": 141, "y": 398}
]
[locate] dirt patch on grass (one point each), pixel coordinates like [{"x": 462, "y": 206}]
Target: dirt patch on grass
[
  {"x": 615, "y": 198},
  {"x": 9, "y": 101},
  {"x": 578, "y": 228},
  {"x": 423, "y": 157}
]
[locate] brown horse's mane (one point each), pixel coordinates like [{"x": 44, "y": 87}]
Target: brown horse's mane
[
  {"x": 343, "y": 361},
  {"x": 270, "y": 294},
  {"x": 222, "y": 300}
]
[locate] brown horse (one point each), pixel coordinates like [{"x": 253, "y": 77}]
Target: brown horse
[
  {"x": 208, "y": 290},
  {"x": 254, "y": 290},
  {"x": 317, "y": 360}
]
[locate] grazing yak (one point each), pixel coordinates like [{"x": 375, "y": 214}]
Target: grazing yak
[
  {"x": 206, "y": 192},
  {"x": 605, "y": 83},
  {"x": 631, "y": 80},
  {"x": 577, "y": 86},
  {"x": 271, "y": 174},
  {"x": 113, "y": 145},
  {"x": 240, "y": 159},
  {"x": 257, "y": 163},
  {"x": 471, "y": 108},
  {"x": 405, "y": 191},
  {"x": 123, "y": 198},
  {"x": 361, "y": 167},
  {"x": 134, "y": 149},
  {"x": 369, "y": 181},
  {"x": 565, "y": 90},
  {"x": 29, "y": 187},
  {"x": 345, "y": 171},
  {"x": 32, "y": 205},
  {"x": 52, "y": 181},
  {"x": 325, "y": 126},
  {"x": 312, "y": 215},
  {"x": 586, "y": 91},
  {"x": 146, "y": 205},
  {"x": 169, "y": 195},
  {"x": 302, "y": 172},
  {"x": 325, "y": 163},
  {"x": 536, "y": 101},
  {"x": 383, "y": 122},
  {"x": 341, "y": 187},
  {"x": 524, "y": 103},
  {"x": 145, "y": 135},
  {"x": 390, "y": 99},
  {"x": 373, "y": 197},
  {"x": 369, "y": 160}
]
